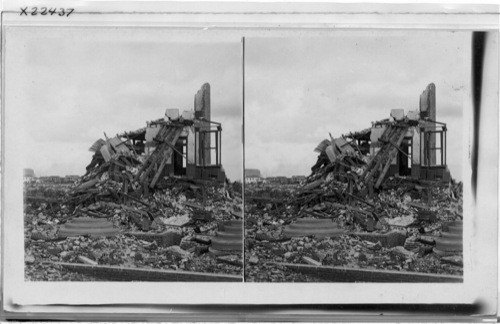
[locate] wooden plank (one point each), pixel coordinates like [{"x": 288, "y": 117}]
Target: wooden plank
[
  {"x": 86, "y": 260},
  {"x": 86, "y": 185},
  {"x": 343, "y": 146},
  {"x": 382, "y": 153},
  {"x": 115, "y": 273},
  {"x": 97, "y": 145},
  {"x": 373, "y": 160},
  {"x": 379, "y": 159},
  {"x": 311, "y": 261},
  {"x": 341, "y": 274},
  {"x": 167, "y": 133},
  {"x": 392, "y": 153},
  {"x": 151, "y": 160},
  {"x": 166, "y": 147},
  {"x": 160, "y": 170},
  {"x": 118, "y": 145},
  {"x": 105, "y": 153}
]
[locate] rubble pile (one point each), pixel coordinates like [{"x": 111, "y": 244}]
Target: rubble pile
[
  {"x": 144, "y": 219},
  {"x": 393, "y": 227},
  {"x": 49, "y": 194},
  {"x": 117, "y": 172},
  {"x": 176, "y": 210}
]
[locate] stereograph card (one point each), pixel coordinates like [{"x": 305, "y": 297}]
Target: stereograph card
[{"x": 158, "y": 153}]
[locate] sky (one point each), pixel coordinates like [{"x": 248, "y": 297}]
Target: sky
[
  {"x": 73, "y": 84},
  {"x": 300, "y": 89}
]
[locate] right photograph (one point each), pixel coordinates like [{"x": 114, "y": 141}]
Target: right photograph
[{"x": 355, "y": 144}]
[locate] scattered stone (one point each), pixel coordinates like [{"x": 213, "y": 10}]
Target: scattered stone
[
  {"x": 427, "y": 240},
  {"x": 201, "y": 250},
  {"x": 138, "y": 257},
  {"x": 401, "y": 251},
  {"x": 54, "y": 251},
  {"x": 253, "y": 260},
  {"x": 177, "y": 220},
  {"x": 176, "y": 250},
  {"x": 401, "y": 221},
  {"x": 456, "y": 260},
  {"x": 231, "y": 259}
]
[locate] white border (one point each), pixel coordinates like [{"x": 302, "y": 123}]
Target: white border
[{"x": 481, "y": 254}]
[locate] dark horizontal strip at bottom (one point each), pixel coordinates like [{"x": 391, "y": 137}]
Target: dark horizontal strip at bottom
[
  {"x": 114, "y": 273},
  {"x": 341, "y": 274}
]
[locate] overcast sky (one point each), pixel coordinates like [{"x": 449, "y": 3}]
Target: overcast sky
[
  {"x": 72, "y": 85},
  {"x": 297, "y": 90}
]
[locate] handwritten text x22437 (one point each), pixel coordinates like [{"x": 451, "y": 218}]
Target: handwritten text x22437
[{"x": 33, "y": 11}]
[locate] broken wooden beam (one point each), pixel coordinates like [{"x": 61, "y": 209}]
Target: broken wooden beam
[
  {"x": 202, "y": 239},
  {"x": 134, "y": 199},
  {"x": 351, "y": 208},
  {"x": 231, "y": 260},
  {"x": 311, "y": 261},
  {"x": 360, "y": 199},
  {"x": 86, "y": 260},
  {"x": 164, "y": 239},
  {"x": 342, "y": 274},
  {"x": 392, "y": 153},
  {"x": 389, "y": 239},
  {"x": 160, "y": 169},
  {"x": 86, "y": 185}
]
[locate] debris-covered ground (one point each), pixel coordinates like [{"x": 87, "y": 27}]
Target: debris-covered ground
[
  {"x": 191, "y": 212},
  {"x": 156, "y": 198},
  {"x": 400, "y": 208},
  {"x": 398, "y": 226}
]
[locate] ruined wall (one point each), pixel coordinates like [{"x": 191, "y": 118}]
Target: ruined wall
[
  {"x": 202, "y": 110},
  {"x": 428, "y": 110},
  {"x": 416, "y": 146},
  {"x": 190, "y": 146},
  {"x": 375, "y": 134},
  {"x": 151, "y": 132}
]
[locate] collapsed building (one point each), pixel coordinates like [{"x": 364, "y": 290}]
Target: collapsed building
[
  {"x": 409, "y": 145},
  {"x": 153, "y": 205},
  {"x": 182, "y": 144},
  {"x": 379, "y": 205}
]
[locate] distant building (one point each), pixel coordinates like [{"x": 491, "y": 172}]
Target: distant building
[
  {"x": 28, "y": 175},
  {"x": 278, "y": 180},
  {"x": 252, "y": 176},
  {"x": 71, "y": 178},
  {"x": 51, "y": 179},
  {"x": 298, "y": 178}
]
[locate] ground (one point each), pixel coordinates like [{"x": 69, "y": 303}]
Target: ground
[
  {"x": 186, "y": 210},
  {"x": 414, "y": 210},
  {"x": 192, "y": 213}
]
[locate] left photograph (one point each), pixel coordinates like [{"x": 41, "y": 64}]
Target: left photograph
[{"x": 131, "y": 153}]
